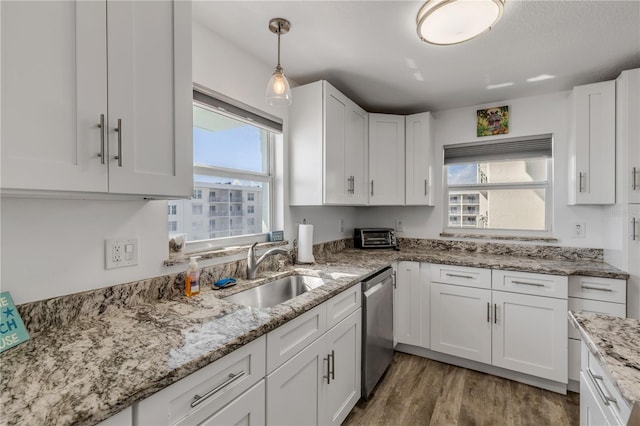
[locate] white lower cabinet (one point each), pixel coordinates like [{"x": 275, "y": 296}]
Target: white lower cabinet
[
  {"x": 321, "y": 384},
  {"x": 461, "y": 321},
  {"x": 305, "y": 372},
  {"x": 198, "y": 397},
  {"x": 518, "y": 327},
  {"x": 412, "y": 304},
  {"x": 529, "y": 335},
  {"x": 592, "y": 294},
  {"x": 600, "y": 400}
]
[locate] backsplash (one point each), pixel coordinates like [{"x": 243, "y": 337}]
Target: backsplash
[
  {"x": 60, "y": 311},
  {"x": 537, "y": 251}
]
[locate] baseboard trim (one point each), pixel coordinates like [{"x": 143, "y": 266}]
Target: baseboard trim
[{"x": 550, "y": 385}]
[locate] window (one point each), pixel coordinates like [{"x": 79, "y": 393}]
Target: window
[
  {"x": 232, "y": 156},
  {"x": 504, "y": 187},
  {"x": 173, "y": 209},
  {"x": 173, "y": 226}
]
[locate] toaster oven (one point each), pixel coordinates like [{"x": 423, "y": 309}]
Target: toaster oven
[{"x": 374, "y": 238}]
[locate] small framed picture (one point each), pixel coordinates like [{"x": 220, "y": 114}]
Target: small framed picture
[{"x": 493, "y": 121}]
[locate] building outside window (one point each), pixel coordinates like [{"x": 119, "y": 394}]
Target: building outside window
[
  {"x": 500, "y": 187},
  {"x": 232, "y": 166},
  {"x": 173, "y": 226}
]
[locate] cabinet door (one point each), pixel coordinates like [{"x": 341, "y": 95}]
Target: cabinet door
[
  {"x": 628, "y": 133},
  {"x": 248, "y": 409},
  {"x": 408, "y": 298},
  {"x": 530, "y": 335},
  {"x": 355, "y": 153},
  {"x": 54, "y": 91},
  {"x": 419, "y": 159},
  {"x": 461, "y": 321},
  {"x": 341, "y": 393},
  {"x": 594, "y": 139},
  {"x": 293, "y": 390},
  {"x": 633, "y": 253},
  {"x": 150, "y": 98},
  {"x": 386, "y": 159},
  {"x": 336, "y": 183}
]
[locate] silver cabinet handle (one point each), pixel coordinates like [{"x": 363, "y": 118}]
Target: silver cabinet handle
[
  {"x": 372, "y": 187},
  {"x": 588, "y": 287},
  {"x": 495, "y": 313},
  {"x": 119, "y": 131},
  {"x": 197, "y": 399},
  {"x": 580, "y": 177},
  {"x": 425, "y": 187},
  {"x": 634, "y": 181},
  {"x": 328, "y": 376},
  {"x": 102, "y": 130},
  {"x": 489, "y": 312},
  {"x": 605, "y": 398},
  {"x": 333, "y": 364},
  {"x": 526, "y": 283},
  {"x": 460, "y": 276},
  {"x": 634, "y": 235}
]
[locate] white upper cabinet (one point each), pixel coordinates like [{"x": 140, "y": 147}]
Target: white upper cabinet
[
  {"x": 386, "y": 159},
  {"x": 592, "y": 152},
  {"x": 419, "y": 159},
  {"x": 628, "y": 134},
  {"x": 328, "y": 147},
  {"x": 64, "y": 94}
]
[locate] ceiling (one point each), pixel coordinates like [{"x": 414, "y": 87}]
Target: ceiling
[{"x": 371, "y": 52}]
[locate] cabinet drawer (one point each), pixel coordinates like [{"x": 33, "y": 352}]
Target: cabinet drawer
[
  {"x": 461, "y": 275},
  {"x": 577, "y": 305},
  {"x": 247, "y": 409},
  {"x": 217, "y": 385},
  {"x": 530, "y": 283},
  {"x": 290, "y": 338},
  {"x": 595, "y": 374},
  {"x": 595, "y": 288},
  {"x": 342, "y": 305}
]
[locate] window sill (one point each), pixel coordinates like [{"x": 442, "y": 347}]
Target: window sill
[
  {"x": 499, "y": 237},
  {"x": 222, "y": 252}
]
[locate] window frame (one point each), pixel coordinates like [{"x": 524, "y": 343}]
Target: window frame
[
  {"x": 523, "y": 233},
  {"x": 268, "y": 177}
]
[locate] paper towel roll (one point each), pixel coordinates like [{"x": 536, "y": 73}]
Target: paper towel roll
[{"x": 305, "y": 243}]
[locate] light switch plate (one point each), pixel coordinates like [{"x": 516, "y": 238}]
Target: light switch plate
[{"x": 120, "y": 252}]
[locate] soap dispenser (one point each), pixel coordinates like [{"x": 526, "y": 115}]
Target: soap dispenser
[{"x": 192, "y": 279}]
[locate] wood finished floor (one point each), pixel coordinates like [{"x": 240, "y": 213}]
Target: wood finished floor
[{"x": 419, "y": 391}]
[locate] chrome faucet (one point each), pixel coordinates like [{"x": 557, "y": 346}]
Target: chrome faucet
[{"x": 252, "y": 263}]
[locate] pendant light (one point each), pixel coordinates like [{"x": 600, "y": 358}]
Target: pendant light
[
  {"x": 446, "y": 22},
  {"x": 278, "y": 90}
]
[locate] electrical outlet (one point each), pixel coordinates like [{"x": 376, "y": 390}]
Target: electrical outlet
[
  {"x": 120, "y": 252},
  {"x": 399, "y": 225},
  {"x": 579, "y": 230}
]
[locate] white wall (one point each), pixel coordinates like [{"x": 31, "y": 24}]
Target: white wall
[{"x": 527, "y": 116}]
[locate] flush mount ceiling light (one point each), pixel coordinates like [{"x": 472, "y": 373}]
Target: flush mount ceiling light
[
  {"x": 278, "y": 90},
  {"x": 446, "y": 22}
]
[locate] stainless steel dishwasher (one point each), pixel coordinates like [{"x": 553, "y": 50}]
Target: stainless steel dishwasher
[{"x": 377, "y": 328}]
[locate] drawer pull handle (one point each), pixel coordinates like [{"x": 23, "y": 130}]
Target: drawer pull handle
[
  {"x": 119, "y": 131},
  {"x": 328, "y": 376},
  {"x": 460, "y": 276},
  {"x": 605, "y": 398},
  {"x": 489, "y": 312},
  {"x": 101, "y": 126},
  {"x": 588, "y": 287},
  {"x": 197, "y": 399},
  {"x": 333, "y": 365},
  {"x": 526, "y": 283}
]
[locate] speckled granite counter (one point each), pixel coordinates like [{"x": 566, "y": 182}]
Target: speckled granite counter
[
  {"x": 113, "y": 354},
  {"x": 615, "y": 342}
]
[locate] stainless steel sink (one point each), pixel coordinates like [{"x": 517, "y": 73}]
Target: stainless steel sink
[{"x": 276, "y": 292}]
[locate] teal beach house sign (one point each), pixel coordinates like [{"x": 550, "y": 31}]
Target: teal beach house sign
[{"x": 12, "y": 329}]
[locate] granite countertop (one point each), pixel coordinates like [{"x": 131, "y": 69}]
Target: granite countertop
[
  {"x": 615, "y": 342},
  {"x": 85, "y": 371}
]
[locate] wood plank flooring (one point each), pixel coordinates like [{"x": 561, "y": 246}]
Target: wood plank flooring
[{"x": 419, "y": 391}]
